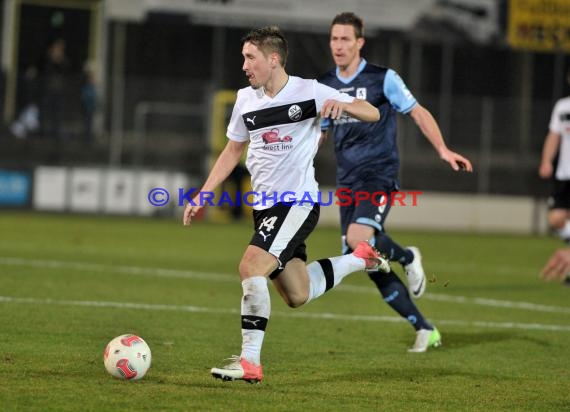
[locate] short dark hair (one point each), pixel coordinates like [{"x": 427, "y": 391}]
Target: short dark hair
[
  {"x": 269, "y": 40},
  {"x": 350, "y": 19}
]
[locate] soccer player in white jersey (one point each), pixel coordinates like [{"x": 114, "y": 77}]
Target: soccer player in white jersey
[
  {"x": 555, "y": 165},
  {"x": 278, "y": 117}
]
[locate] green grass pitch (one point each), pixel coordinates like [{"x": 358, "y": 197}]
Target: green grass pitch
[{"x": 68, "y": 284}]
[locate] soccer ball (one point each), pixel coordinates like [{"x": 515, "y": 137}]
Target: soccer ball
[{"x": 127, "y": 357}]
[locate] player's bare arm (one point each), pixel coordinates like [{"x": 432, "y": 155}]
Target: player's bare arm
[
  {"x": 429, "y": 128},
  {"x": 359, "y": 109},
  {"x": 549, "y": 151},
  {"x": 227, "y": 161}
]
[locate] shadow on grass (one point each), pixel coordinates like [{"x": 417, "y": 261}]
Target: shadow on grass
[{"x": 455, "y": 340}]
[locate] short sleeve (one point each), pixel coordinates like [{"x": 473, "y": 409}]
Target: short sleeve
[
  {"x": 324, "y": 93},
  {"x": 398, "y": 93},
  {"x": 555, "y": 124},
  {"x": 236, "y": 127}
]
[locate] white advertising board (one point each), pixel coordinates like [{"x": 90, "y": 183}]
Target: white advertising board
[
  {"x": 85, "y": 190},
  {"x": 50, "y": 185}
]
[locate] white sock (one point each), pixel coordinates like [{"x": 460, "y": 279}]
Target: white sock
[
  {"x": 255, "y": 309},
  {"x": 325, "y": 274},
  {"x": 564, "y": 233}
]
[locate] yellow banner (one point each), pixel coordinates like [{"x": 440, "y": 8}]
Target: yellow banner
[{"x": 542, "y": 25}]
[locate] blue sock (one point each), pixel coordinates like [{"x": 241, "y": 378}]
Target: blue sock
[
  {"x": 396, "y": 295},
  {"x": 394, "y": 251}
]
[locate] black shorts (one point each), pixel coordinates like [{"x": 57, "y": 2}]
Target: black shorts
[
  {"x": 282, "y": 230},
  {"x": 372, "y": 212},
  {"x": 560, "y": 195}
]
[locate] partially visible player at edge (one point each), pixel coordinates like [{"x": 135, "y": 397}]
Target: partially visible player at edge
[
  {"x": 285, "y": 106},
  {"x": 555, "y": 165},
  {"x": 368, "y": 160}
]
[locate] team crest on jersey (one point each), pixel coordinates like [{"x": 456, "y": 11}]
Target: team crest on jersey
[
  {"x": 361, "y": 93},
  {"x": 295, "y": 112}
]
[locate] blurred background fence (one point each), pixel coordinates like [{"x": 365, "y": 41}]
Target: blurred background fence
[{"x": 150, "y": 70}]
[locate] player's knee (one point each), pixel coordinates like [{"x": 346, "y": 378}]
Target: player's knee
[
  {"x": 254, "y": 263},
  {"x": 244, "y": 268},
  {"x": 352, "y": 241},
  {"x": 556, "y": 224},
  {"x": 296, "y": 301},
  {"x": 556, "y": 219},
  {"x": 247, "y": 268},
  {"x": 357, "y": 233}
]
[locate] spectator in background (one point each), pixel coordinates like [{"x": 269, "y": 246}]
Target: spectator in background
[
  {"x": 53, "y": 71},
  {"x": 88, "y": 104},
  {"x": 28, "y": 120},
  {"x": 555, "y": 165}
]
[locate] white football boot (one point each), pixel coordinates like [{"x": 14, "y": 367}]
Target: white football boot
[{"x": 415, "y": 274}]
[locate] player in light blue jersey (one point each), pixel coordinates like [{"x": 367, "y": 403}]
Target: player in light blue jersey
[{"x": 368, "y": 161}]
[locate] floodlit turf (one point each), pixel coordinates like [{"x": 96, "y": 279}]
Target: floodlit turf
[{"x": 69, "y": 284}]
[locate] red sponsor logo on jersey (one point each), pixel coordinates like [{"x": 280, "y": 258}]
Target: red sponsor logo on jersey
[{"x": 273, "y": 137}]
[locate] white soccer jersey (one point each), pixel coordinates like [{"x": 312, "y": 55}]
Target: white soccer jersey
[
  {"x": 283, "y": 134},
  {"x": 560, "y": 124}
]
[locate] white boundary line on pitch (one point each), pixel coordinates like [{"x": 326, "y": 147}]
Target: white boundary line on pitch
[
  {"x": 472, "y": 300},
  {"x": 224, "y": 277},
  {"x": 306, "y": 315}
]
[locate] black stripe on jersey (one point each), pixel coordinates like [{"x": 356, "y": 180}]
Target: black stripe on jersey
[
  {"x": 288, "y": 113},
  {"x": 565, "y": 117}
]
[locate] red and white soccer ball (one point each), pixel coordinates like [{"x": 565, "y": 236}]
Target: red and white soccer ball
[{"x": 127, "y": 357}]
